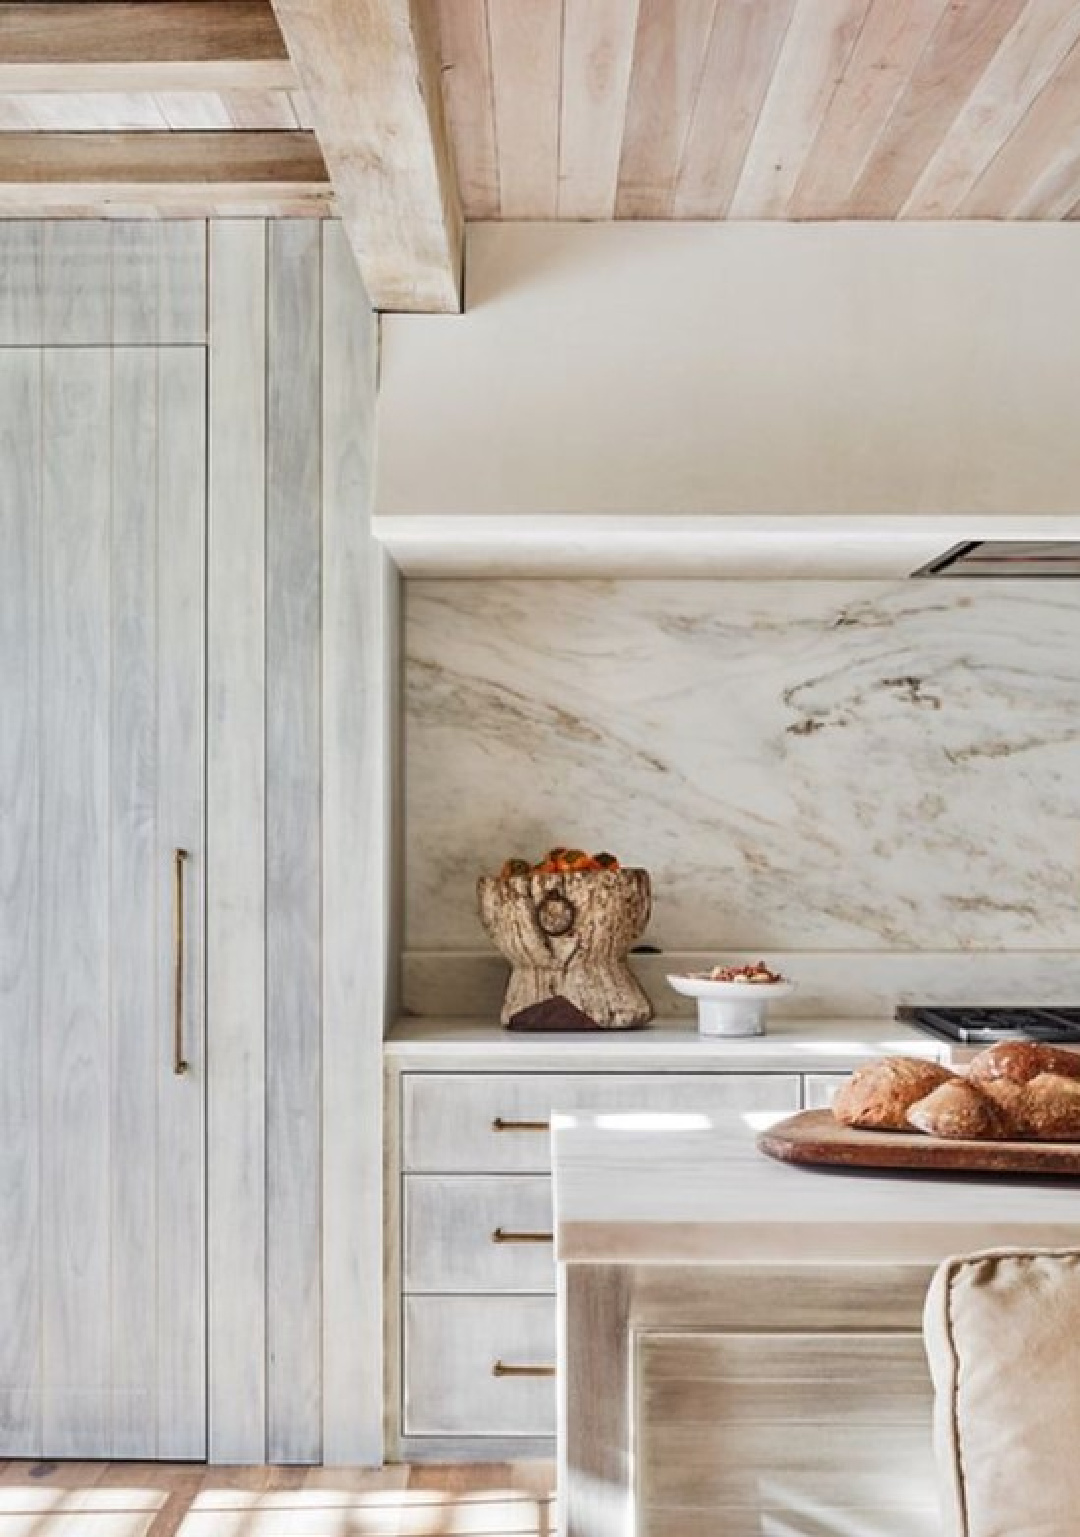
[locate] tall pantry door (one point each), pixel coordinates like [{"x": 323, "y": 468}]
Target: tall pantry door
[{"x": 102, "y": 600}]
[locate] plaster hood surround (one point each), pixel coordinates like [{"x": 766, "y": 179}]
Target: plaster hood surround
[
  {"x": 831, "y": 546},
  {"x": 739, "y": 399}
]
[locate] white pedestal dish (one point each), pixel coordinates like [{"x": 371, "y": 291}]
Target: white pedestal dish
[{"x": 730, "y": 1008}]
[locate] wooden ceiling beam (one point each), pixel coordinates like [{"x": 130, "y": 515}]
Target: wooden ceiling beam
[
  {"x": 371, "y": 78},
  {"x": 169, "y": 45},
  {"x": 186, "y": 174}
]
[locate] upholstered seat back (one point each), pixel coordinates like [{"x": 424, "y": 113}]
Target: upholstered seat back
[{"x": 1002, "y": 1334}]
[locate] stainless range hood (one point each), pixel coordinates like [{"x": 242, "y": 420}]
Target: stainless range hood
[{"x": 1007, "y": 557}]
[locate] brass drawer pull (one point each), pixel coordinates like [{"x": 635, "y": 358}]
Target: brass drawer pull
[
  {"x": 506, "y": 1235},
  {"x": 504, "y": 1369},
  {"x": 498, "y": 1124}
]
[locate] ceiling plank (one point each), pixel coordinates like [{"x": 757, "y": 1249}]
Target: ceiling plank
[
  {"x": 888, "y": 48},
  {"x": 951, "y": 65},
  {"x": 371, "y": 79},
  {"x": 669, "y": 60},
  {"x": 815, "y": 54},
  {"x": 598, "y": 53},
  {"x": 189, "y": 174},
  {"x": 465, "y": 51},
  {"x": 1028, "y": 175},
  {"x": 63, "y": 112},
  {"x": 743, "y": 47},
  {"x": 1023, "y": 66},
  {"x": 170, "y": 45},
  {"x": 526, "y": 62}
]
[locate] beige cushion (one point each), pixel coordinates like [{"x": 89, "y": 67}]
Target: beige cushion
[{"x": 1002, "y": 1334}]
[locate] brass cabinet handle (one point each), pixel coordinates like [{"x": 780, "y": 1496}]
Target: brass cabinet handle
[
  {"x": 180, "y": 1066},
  {"x": 504, "y": 1369},
  {"x": 507, "y": 1235},
  {"x": 498, "y": 1124}
]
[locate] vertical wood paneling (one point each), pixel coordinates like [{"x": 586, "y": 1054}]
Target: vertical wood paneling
[
  {"x": 76, "y": 273},
  {"x": 181, "y": 758},
  {"x": 293, "y": 855},
  {"x": 358, "y": 621},
  {"x": 75, "y": 884},
  {"x": 136, "y": 249},
  {"x": 158, "y": 282},
  {"x": 598, "y": 52},
  {"x": 20, "y": 1061},
  {"x": 182, "y": 282},
  {"x": 526, "y": 43},
  {"x": 236, "y": 797},
  {"x": 20, "y": 290},
  {"x": 132, "y": 858},
  {"x": 94, "y": 283}
]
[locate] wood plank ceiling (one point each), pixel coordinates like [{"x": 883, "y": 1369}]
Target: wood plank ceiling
[
  {"x": 113, "y": 108},
  {"x": 763, "y": 109},
  {"x": 548, "y": 109}
]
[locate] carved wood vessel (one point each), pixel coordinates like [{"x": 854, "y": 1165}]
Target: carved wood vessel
[{"x": 567, "y": 936}]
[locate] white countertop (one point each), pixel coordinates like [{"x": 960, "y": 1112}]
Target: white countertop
[
  {"x": 791, "y": 1045},
  {"x": 694, "y": 1189}
]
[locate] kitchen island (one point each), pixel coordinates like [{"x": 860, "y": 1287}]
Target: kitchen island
[{"x": 740, "y": 1344}]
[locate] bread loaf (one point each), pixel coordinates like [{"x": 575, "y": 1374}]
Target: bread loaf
[
  {"x": 1015, "y": 1090},
  {"x": 960, "y": 1109},
  {"x": 1021, "y": 1061},
  {"x": 878, "y": 1095}
]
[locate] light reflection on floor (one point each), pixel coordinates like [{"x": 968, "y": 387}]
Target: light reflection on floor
[{"x": 185, "y": 1500}]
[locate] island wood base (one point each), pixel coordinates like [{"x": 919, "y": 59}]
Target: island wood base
[{"x": 699, "y": 1399}]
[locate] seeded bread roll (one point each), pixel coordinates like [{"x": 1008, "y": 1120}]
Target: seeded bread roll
[
  {"x": 961, "y": 1109},
  {"x": 1022, "y": 1061},
  {"x": 878, "y": 1095}
]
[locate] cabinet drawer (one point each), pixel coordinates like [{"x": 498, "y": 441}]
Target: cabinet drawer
[
  {"x": 494, "y": 1123},
  {"x": 465, "y": 1365},
  {"x": 473, "y": 1233}
]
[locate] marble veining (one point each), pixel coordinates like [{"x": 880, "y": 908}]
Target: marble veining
[{"x": 816, "y": 766}]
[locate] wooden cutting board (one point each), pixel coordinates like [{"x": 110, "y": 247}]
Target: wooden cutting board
[{"x": 814, "y": 1137}]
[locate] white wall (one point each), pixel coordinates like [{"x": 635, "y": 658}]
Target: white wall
[{"x": 742, "y": 368}]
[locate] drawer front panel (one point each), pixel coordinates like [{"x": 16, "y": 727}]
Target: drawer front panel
[
  {"x": 475, "y": 1234},
  {"x": 496, "y": 1123},
  {"x": 463, "y": 1364},
  {"x": 739, "y": 1425},
  {"x": 820, "y": 1088}
]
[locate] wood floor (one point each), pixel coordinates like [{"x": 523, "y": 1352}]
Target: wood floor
[{"x": 132, "y": 1499}]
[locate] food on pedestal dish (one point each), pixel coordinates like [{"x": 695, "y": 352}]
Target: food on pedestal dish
[{"x": 757, "y": 975}]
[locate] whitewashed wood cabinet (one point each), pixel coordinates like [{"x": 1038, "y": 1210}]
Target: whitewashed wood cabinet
[
  {"x": 471, "y": 1306},
  {"x": 195, "y": 645},
  {"x": 102, "y": 875}
]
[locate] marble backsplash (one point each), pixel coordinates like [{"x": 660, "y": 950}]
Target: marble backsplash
[{"x": 826, "y": 769}]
